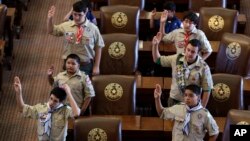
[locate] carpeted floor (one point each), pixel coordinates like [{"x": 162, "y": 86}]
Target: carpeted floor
[{"x": 34, "y": 53}]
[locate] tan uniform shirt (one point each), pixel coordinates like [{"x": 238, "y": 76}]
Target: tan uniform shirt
[
  {"x": 201, "y": 122},
  {"x": 178, "y": 38},
  {"x": 197, "y": 73},
  {"x": 79, "y": 83},
  {"x": 85, "y": 48},
  {"x": 59, "y": 120}
]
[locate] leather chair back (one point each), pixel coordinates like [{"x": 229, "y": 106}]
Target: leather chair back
[
  {"x": 215, "y": 21},
  {"x": 97, "y": 128},
  {"x": 119, "y": 19},
  {"x": 115, "y": 95},
  {"x": 227, "y": 94},
  {"x": 3, "y": 13},
  {"x": 195, "y": 5},
  {"x": 138, "y": 3},
  {"x": 120, "y": 56},
  {"x": 235, "y": 117},
  {"x": 234, "y": 55}
]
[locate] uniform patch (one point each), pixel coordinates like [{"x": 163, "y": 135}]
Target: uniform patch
[{"x": 87, "y": 80}]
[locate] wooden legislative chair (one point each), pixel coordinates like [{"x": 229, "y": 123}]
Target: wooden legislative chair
[
  {"x": 235, "y": 117},
  {"x": 119, "y": 19},
  {"x": 120, "y": 55},
  {"x": 234, "y": 55},
  {"x": 138, "y": 3},
  {"x": 215, "y": 21},
  {"x": 227, "y": 94},
  {"x": 97, "y": 129},
  {"x": 195, "y": 5},
  {"x": 115, "y": 95}
]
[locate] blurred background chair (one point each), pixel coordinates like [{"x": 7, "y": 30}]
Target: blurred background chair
[
  {"x": 138, "y": 3},
  {"x": 227, "y": 94},
  {"x": 115, "y": 95},
  {"x": 3, "y": 13},
  {"x": 195, "y": 5},
  {"x": 215, "y": 21},
  {"x": 97, "y": 129},
  {"x": 233, "y": 56},
  {"x": 120, "y": 56},
  {"x": 235, "y": 117},
  {"x": 119, "y": 19}
]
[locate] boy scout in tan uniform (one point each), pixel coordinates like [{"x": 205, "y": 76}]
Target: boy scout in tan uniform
[
  {"x": 52, "y": 116},
  {"x": 81, "y": 37},
  {"x": 187, "y": 68},
  {"x": 191, "y": 120}
]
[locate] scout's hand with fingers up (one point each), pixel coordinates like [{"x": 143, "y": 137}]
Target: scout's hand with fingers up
[
  {"x": 17, "y": 85},
  {"x": 157, "y": 39},
  {"x": 51, "y": 70},
  {"x": 164, "y": 16},
  {"x": 157, "y": 91},
  {"x": 51, "y": 12}
]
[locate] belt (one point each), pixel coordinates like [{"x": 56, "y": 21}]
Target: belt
[{"x": 86, "y": 63}]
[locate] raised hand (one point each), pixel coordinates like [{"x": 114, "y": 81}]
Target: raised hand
[
  {"x": 66, "y": 88},
  {"x": 153, "y": 13},
  {"x": 51, "y": 70},
  {"x": 156, "y": 40},
  {"x": 164, "y": 16},
  {"x": 51, "y": 12},
  {"x": 17, "y": 84},
  {"x": 157, "y": 91}
]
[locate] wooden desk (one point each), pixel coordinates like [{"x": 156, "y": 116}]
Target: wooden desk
[
  {"x": 9, "y": 28},
  {"x": 129, "y": 122},
  {"x": 221, "y": 121},
  {"x": 246, "y": 92},
  {"x": 146, "y": 15},
  {"x": 11, "y": 15},
  {"x": 170, "y": 48},
  {"x": 149, "y": 82},
  {"x": 149, "y": 128},
  {"x": 2, "y": 44}
]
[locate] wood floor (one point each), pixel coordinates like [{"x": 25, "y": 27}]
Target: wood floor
[{"x": 34, "y": 53}]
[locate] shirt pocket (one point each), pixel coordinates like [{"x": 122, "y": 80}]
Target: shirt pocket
[
  {"x": 197, "y": 128},
  {"x": 178, "y": 123},
  {"x": 59, "y": 122},
  {"x": 87, "y": 40}
]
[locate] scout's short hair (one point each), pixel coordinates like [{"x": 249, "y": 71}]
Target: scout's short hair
[
  {"x": 195, "y": 43},
  {"x": 192, "y": 17},
  {"x": 169, "y": 6},
  {"x": 59, "y": 93},
  {"x": 80, "y": 6},
  {"x": 194, "y": 88},
  {"x": 75, "y": 57}
]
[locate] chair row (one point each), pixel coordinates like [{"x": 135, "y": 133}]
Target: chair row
[
  {"x": 117, "y": 128},
  {"x": 193, "y": 5},
  {"x": 120, "y": 95},
  {"x": 214, "y": 21},
  {"x": 120, "y": 56}
]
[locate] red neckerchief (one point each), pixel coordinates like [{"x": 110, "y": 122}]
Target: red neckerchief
[{"x": 79, "y": 34}]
